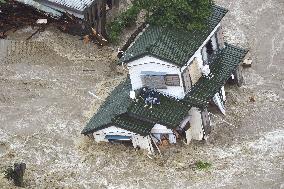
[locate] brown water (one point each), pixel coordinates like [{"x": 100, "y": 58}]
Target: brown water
[{"x": 45, "y": 103}]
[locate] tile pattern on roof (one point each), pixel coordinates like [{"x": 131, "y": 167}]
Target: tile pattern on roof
[
  {"x": 171, "y": 45},
  {"x": 170, "y": 112},
  {"x": 115, "y": 104},
  {"x": 132, "y": 124},
  {"x": 226, "y": 61},
  {"x": 120, "y": 110}
]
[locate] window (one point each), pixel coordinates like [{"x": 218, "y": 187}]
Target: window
[
  {"x": 209, "y": 47},
  {"x": 172, "y": 80},
  {"x": 159, "y": 80},
  {"x": 154, "y": 81}
]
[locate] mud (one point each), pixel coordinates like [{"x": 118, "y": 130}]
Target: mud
[{"x": 48, "y": 95}]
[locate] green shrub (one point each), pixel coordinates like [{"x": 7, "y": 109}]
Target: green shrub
[
  {"x": 202, "y": 165},
  {"x": 124, "y": 20}
]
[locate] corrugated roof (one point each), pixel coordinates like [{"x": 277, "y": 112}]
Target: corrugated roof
[
  {"x": 175, "y": 46},
  {"x": 226, "y": 61},
  {"x": 79, "y": 5},
  {"x": 41, "y": 7}
]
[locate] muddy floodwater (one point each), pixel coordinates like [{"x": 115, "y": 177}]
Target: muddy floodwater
[{"x": 46, "y": 88}]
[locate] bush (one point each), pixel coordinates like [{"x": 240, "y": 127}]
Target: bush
[
  {"x": 203, "y": 165},
  {"x": 126, "y": 19}
]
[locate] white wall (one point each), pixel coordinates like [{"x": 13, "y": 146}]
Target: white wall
[
  {"x": 158, "y": 128},
  {"x": 196, "y": 126},
  {"x": 143, "y": 142},
  {"x": 149, "y": 63},
  {"x": 184, "y": 122},
  {"x": 112, "y": 130}
]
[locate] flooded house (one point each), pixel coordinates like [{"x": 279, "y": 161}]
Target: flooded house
[{"x": 173, "y": 75}]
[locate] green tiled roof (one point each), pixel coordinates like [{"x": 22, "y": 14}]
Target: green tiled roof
[
  {"x": 222, "y": 67},
  {"x": 121, "y": 111},
  {"x": 116, "y": 103},
  {"x": 175, "y": 46},
  {"x": 132, "y": 124},
  {"x": 169, "y": 112}
]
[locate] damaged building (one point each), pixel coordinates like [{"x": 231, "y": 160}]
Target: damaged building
[
  {"x": 93, "y": 12},
  {"x": 173, "y": 75}
]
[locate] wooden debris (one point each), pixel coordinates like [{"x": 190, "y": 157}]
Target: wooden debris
[
  {"x": 16, "y": 174},
  {"x": 41, "y": 29},
  {"x": 247, "y": 62},
  {"x": 252, "y": 99},
  {"x": 15, "y": 15}
]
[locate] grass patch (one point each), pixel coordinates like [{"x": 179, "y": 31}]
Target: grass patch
[{"x": 200, "y": 165}]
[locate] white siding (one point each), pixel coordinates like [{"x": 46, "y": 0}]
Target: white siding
[
  {"x": 112, "y": 130},
  {"x": 158, "y": 128},
  {"x": 196, "y": 129},
  {"x": 143, "y": 142},
  {"x": 184, "y": 122},
  {"x": 148, "y": 63}
]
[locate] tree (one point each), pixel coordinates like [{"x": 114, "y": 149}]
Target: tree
[{"x": 181, "y": 14}]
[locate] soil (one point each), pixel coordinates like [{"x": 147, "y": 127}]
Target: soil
[{"x": 52, "y": 85}]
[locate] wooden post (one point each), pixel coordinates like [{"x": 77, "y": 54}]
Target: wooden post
[
  {"x": 238, "y": 74},
  {"x": 115, "y": 4},
  {"x": 94, "y": 13},
  {"x": 90, "y": 16},
  {"x": 101, "y": 22}
]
